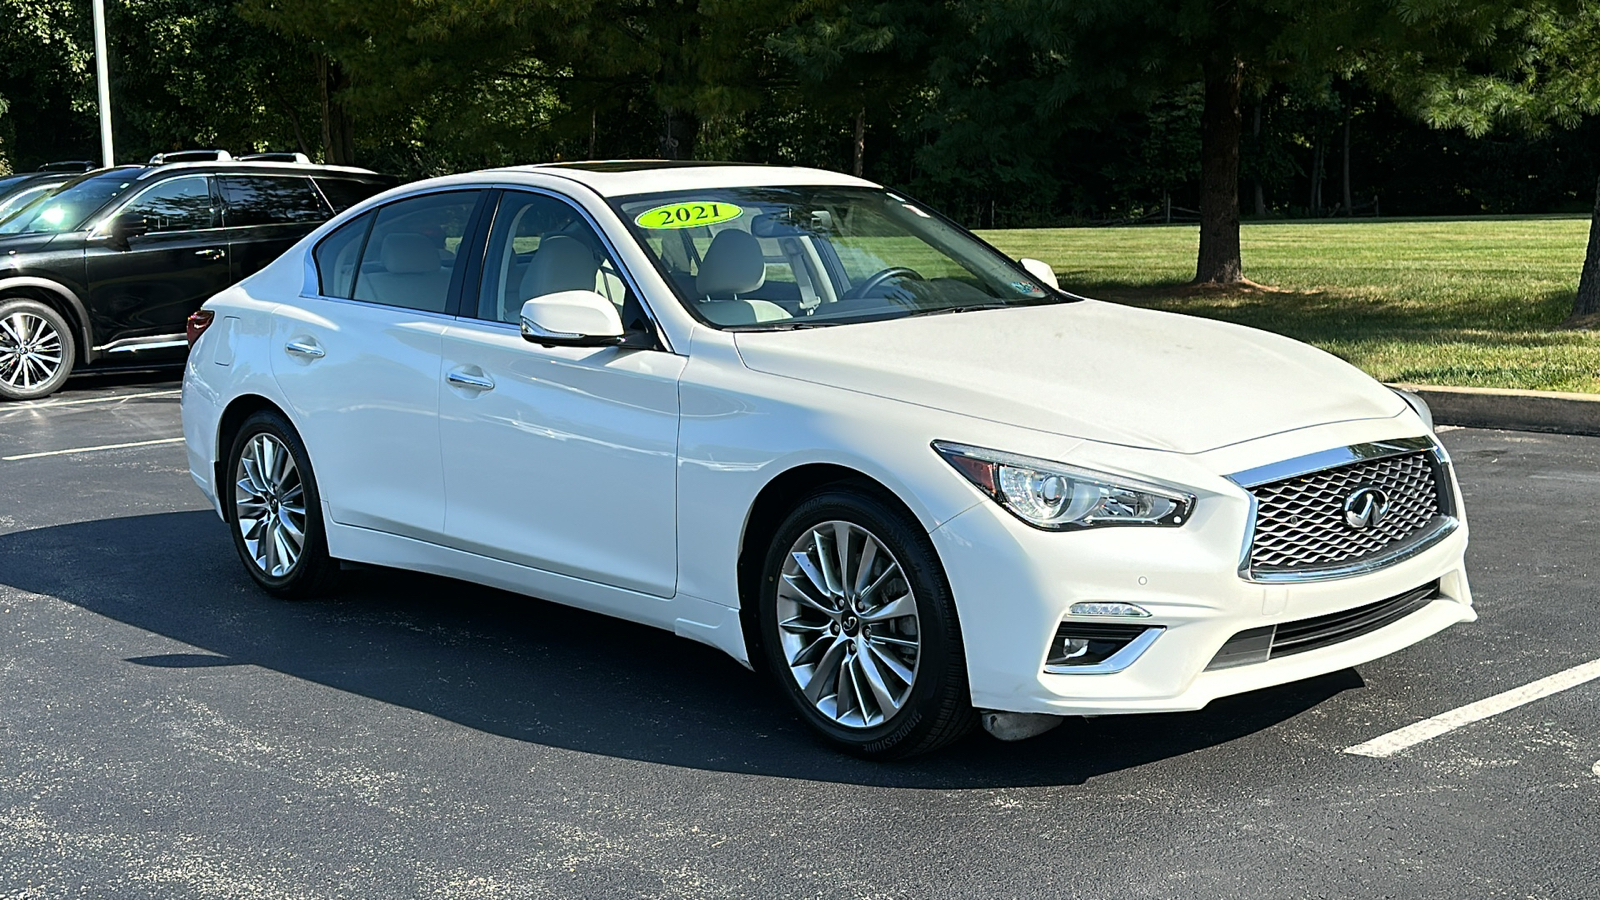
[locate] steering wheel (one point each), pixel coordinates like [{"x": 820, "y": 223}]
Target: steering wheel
[{"x": 880, "y": 278}]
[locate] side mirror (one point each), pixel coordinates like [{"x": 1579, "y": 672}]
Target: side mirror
[
  {"x": 1042, "y": 271},
  {"x": 571, "y": 319},
  {"x": 124, "y": 226}
]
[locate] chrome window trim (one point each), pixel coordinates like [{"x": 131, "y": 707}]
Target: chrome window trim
[
  {"x": 95, "y": 230},
  {"x": 1440, "y": 528},
  {"x": 1117, "y": 661}
]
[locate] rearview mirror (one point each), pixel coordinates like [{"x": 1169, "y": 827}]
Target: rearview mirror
[
  {"x": 571, "y": 319},
  {"x": 1042, "y": 271}
]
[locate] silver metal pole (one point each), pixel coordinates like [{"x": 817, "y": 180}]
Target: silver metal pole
[{"x": 107, "y": 155}]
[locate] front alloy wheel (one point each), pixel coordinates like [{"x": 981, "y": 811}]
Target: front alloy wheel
[
  {"x": 847, "y": 621},
  {"x": 859, "y": 627},
  {"x": 35, "y": 350}
]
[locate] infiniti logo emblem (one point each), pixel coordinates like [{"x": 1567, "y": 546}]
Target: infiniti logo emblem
[{"x": 1365, "y": 507}]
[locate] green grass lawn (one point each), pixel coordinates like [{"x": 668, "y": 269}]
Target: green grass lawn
[{"x": 1475, "y": 302}]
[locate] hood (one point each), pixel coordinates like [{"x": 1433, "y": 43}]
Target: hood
[
  {"x": 1093, "y": 370},
  {"x": 24, "y": 243}
]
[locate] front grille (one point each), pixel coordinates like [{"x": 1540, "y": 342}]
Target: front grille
[
  {"x": 1300, "y": 522},
  {"x": 1260, "y": 644}
]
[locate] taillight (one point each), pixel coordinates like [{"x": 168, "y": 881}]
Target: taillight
[{"x": 197, "y": 324}]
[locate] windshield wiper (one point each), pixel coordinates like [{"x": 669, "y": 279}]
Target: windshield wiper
[
  {"x": 794, "y": 325},
  {"x": 971, "y": 307}
]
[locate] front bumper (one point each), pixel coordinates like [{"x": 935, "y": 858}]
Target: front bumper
[{"x": 1014, "y": 586}]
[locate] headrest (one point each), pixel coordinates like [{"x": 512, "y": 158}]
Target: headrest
[
  {"x": 733, "y": 265},
  {"x": 409, "y": 253},
  {"x": 560, "y": 264}
]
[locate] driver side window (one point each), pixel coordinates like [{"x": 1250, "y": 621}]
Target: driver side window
[
  {"x": 178, "y": 204},
  {"x": 541, "y": 245}
]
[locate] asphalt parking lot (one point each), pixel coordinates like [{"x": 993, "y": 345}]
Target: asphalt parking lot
[{"x": 166, "y": 730}]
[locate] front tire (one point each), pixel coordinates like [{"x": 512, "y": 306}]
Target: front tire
[
  {"x": 274, "y": 510},
  {"x": 859, "y": 627},
  {"x": 36, "y": 350}
]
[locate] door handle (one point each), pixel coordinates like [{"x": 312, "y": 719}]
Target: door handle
[
  {"x": 304, "y": 347},
  {"x": 212, "y": 253},
  {"x": 470, "y": 381}
]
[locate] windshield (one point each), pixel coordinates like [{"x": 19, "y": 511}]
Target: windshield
[
  {"x": 794, "y": 257},
  {"x": 20, "y": 197},
  {"x": 71, "y": 206}
]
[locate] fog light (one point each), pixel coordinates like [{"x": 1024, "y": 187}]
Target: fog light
[
  {"x": 1097, "y": 649},
  {"x": 1127, "y": 610}
]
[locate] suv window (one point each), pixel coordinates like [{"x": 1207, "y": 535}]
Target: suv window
[
  {"x": 21, "y": 197},
  {"x": 271, "y": 200},
  {"x": 410, "y": 255},
  {"x": 343, "y": 193},
  {"x": 178, "y": 204},
  {"x": 541, "y": 245}
]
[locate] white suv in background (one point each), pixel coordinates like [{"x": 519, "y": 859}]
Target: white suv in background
[{"x": 806, "y": 420}]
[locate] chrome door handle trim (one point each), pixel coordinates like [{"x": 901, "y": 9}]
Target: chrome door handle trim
[
  {"x": 475, "y": 382},
  {"x": 211, "y": 254},
  {"x": 308, "y": 349}
]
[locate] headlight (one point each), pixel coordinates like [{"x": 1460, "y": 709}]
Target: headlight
[
  {"x": 1418, "y": 404},
  {"x": 1059, "y": 497}
]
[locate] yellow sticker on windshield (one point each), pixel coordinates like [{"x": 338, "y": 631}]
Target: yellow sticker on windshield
[{"x": 688, "y": 215}]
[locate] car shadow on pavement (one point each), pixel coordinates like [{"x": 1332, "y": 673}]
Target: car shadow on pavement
[{"x": 548, "y": 674}]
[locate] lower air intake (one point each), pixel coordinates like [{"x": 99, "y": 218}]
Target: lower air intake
[{"x": 1261, "y": 644}]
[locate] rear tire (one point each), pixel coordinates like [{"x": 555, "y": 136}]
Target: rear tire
[
  {"x": 274, "y": 510},
  {"x": 36, "y": 350},
  {"x": 862, "y": 635}
]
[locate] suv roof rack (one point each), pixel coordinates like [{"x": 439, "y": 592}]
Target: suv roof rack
[
  {"x": 69, "y": 165},
  {"x": 177, "y": 156},
  {"x": 277, "y": 156}
]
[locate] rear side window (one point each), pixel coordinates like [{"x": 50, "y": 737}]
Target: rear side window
[
  {"x": 271, "y": 200},
  {"x": 410, "y": 257},
  {"x": 337, "y": 257},
  {"x": 344, "y": 193}
]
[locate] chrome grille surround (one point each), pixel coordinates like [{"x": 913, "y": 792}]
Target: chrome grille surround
[{"x": 1297, "y": 529}]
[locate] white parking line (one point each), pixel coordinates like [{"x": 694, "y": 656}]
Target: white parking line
[
  {"x": 1411, "y": 735},
  {"x": 1597, "y": 770},
  {"x": 89, "y": 449},
  {"x": 46, "y": 404}
]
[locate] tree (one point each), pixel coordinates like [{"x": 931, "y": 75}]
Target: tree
[{"x": 1537, "y": 67}]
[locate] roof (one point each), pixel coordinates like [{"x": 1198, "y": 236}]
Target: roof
[{"x": 615, "y": 178}]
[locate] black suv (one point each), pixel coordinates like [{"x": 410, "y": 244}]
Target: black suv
[{"x": 105, "y": 271}]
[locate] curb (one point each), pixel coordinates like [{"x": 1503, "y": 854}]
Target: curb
[{"x": 1547, "y": 411}]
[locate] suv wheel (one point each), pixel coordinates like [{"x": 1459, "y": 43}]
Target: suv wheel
[
  {"x": 36, "y": 350},
  {"x": 860, "y": 628},
  {"x": 275, "y": 511}
]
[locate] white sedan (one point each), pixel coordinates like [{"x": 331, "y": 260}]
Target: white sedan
[{"x": 810, "y": 422}]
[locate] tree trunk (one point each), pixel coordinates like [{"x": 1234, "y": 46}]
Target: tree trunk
[
  {"x": 678, "y": 135},
  {"x": 1220, "y": 128},
  {"x": 861, "y": 141},
  {"x": 1261, "y": 193},
  {"x": 1315, "y": 202},
  {"x": 338, "y": 130},
  {"x": 1587, "y": 302},
  {"x": 1349, "y": 209}
]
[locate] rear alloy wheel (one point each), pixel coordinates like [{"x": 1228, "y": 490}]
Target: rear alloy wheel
[
  {"x": 275, "y": 511},
  {"x": 36, "y": 350},
  {"x": 860, "y": 628}
]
